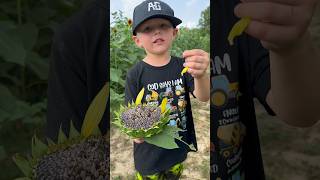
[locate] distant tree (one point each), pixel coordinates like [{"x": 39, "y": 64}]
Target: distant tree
[{"x": 204, "y": 21}]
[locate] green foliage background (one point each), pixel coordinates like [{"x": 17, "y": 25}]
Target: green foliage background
[
  {"x": 26, "y": 31},
  {"x": 124, "y": 53}
]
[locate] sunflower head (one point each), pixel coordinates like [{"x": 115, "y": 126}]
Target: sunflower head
[
  {"x": 129, "y": 22},
  {"x": 53, "y": 160},
  {"x": 141, "y": 120}
]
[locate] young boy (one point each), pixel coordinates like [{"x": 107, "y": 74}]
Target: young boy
[
  {"x": 282, "y": 77},
  {"x": 154, "y": 29}
]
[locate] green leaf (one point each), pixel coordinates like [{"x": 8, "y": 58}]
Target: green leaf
[
  {"x": 22, "y": 178},
  {"x": 27, "y": 33},
  {"x": 41, "y": 15},
  {"x": 23, "y": 165},
  {"x": 115, "y": 75},
  {"x": 7, "y": 103},
  {"x": 3, "y": 153},
  {"x": 115, "y": 97},
  {"x": 73, "y": 132},
  {"x": 165, "y": 139},
  {"x": 6, "y": 25},
  {"x": 95, "y": 111},
  {"x": 38, "y": 65},
  {"x": 61, "y": 137},
  {"x": 38, "y": 148},
  {"x": 11, "y": 49},
  {"x": 117, "y": 123}
]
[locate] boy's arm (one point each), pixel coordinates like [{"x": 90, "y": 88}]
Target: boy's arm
[
  {"x": 294, "y": 62},
  {"x": 198, "y": 61},
  {"x": 295, "y": 92},
  {"x": 202, "y": 88}
]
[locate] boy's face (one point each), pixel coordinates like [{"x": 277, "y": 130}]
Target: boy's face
[{"x": 155, "y": 36}]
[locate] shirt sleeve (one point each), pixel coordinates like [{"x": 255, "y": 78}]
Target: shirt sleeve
[{"x": 260, "y": 72}]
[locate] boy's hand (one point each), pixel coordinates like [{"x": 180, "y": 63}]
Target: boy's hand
[
  {"x": 281, "y": 25},
  {"x": 138, "y": 140},
  {"x": 197, "y": 60}
]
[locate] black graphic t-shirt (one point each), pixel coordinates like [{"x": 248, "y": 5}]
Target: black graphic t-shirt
[
  {"x": 79, "y": 67},
  {"x": 239, "y": 73},
  {"x": 163, "y": 82}
]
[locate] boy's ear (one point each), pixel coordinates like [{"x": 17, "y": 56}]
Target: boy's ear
[
  {"x": 137, "y": 41},
  {"x": 175, "y": 32}
]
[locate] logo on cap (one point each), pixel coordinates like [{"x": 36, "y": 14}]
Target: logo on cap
[{"x": 154, "y": 5}]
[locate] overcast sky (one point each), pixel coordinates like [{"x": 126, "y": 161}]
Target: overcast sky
[{"x": 188, "y": 11}]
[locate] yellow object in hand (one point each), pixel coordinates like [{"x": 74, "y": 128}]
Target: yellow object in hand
[
  {"x": 184, "y": 70},
  {"x": 238, "y": 29}
]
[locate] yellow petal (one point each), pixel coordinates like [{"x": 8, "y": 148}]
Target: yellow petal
[
  {"x": 95, "y": 111},
  {"x": 184, "y": 70},
  {"x": 238, "y": 29},
  {"x": 140, "y": 96},
  {"x": 163, "y": 105}
]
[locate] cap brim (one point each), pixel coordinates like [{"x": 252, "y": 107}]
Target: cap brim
[{"x": 175, "y": 21}]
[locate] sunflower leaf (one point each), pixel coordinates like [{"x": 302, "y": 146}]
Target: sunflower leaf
[
  {"x": 165, "y": 139},
  {"x": 23, "y": 165},
  {"x": 38, "y": 148},
  {"x": 95, "y": 111},
  {"x": 22, "y": 178}
]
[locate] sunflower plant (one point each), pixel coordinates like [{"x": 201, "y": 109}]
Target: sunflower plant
[
  {"x": 140, "y": 120},
  {"x": 81, "y": 155}
]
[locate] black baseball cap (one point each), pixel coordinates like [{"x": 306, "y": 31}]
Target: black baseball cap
[{"x": 153, "y": 9}]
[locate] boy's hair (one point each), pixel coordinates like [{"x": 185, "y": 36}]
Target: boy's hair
[{"x": 153, "y": 9}]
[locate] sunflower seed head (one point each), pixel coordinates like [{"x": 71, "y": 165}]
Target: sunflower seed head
[
  {"x": 86, "y": 160},
  {"x": 141, "y": 117}
]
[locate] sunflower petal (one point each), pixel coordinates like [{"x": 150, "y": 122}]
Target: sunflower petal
[
  {"x": 163, "y": 105},
  {"x": 238, "y": 29},
  {"x": 139, "y": 97},
  {"x": 95, "y": 111},
  {"x": 184, "y": 70}
]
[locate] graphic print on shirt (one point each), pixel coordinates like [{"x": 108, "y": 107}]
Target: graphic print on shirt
[
  {"x": 174, "y": 91},
  {"x": 229, "y": 131}
]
